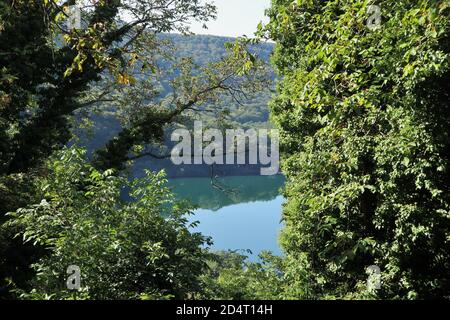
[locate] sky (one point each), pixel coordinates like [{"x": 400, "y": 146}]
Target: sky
[{"x": 235, "y": 18}]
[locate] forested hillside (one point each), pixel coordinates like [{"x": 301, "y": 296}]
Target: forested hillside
[
  {"x": 49, "y": 91},
  {"x": 248, "y": 112}
]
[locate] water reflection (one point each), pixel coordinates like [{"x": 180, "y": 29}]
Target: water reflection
[
  {"x": 242, "y": 213},
  {"x": 210, "y": 194}
]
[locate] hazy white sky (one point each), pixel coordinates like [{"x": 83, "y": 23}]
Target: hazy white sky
[{"x": 235, "y": 18}]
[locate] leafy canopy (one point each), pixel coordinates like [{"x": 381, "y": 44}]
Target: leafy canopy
[
  {"x": 125, "y": 250},
  {"x": 364, "y": 120}
]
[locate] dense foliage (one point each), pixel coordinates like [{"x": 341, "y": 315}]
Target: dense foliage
[
  {"x": 125, "y": 250},
  {"x": 231, "y": 277},
  {"x": 364, "y": 119}
]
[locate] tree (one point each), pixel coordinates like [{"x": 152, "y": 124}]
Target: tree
[
  {"x": 50, "y": 73},
  {"x": 140, "y": 249},
  {"x": 364, "y": 120},
  {"x": 231, "y": 277}
]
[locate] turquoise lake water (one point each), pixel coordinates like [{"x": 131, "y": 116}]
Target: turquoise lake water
[{"x": 239, "y": 213}]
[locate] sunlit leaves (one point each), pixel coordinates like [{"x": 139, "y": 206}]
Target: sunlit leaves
[
  {"x": 125, "y": 249},
  {"x": 364, "y": 124}
]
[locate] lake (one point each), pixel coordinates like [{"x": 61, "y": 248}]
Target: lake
[{"x": 239, "y": 213}]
